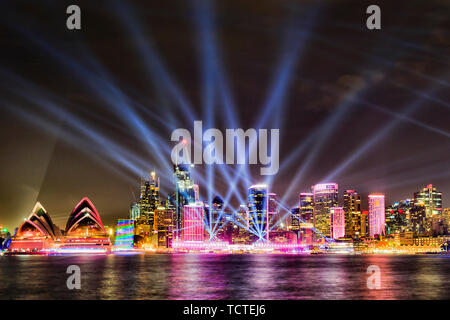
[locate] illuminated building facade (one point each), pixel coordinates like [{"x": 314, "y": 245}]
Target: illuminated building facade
[
  {"x": 184, "y": 195},
  {"x": 397, "y": 216},
  {"x": 216, "y": 219},
  {"x": 241, "y": 234},
  {"x": 418, "y": 222},
  {"x": 258, "y": 210},
  {"x": 193, "y": 223},
  {"x": 124, "y": 239},
  {"x": 306, "y": 211},
  {"x": 352, "y": 209},
  {"x": 376, "y": 215},
  {"x": 325, "y": 197},
  {"x": 164, "y": 225},
  {"x": 148, "y": 201},
  {"x": 364, "y": 224},
  {"x": 337, "y": 222},
  {"x": 430, "y": 198}
]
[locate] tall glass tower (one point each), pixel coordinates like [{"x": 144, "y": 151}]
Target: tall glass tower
[
  {"x": 325, "y": 197},
  {"x": 430, "y": 198},
  {"x": 258, "y": 208},
  {"x": 184, "y": 195}
]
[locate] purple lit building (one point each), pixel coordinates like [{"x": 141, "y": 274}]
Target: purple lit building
[
  {"x": 337, "y": 222},
  {"x": 376, "y": 214},
  {"x": 193, "y": 224}
]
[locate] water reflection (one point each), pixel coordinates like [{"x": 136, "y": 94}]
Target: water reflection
[{"x": 208, "y": 276}]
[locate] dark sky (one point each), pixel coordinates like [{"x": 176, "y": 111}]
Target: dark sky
[{"x": 83, "y": 113}]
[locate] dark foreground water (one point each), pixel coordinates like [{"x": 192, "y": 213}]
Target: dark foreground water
[{"x": 177, "y": 276}]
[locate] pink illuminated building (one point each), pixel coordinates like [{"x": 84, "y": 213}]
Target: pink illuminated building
[
  {"x": 376, "y": 214},
  {"x": 193, "y": 224},
  {"x": 337, "y": 222}
]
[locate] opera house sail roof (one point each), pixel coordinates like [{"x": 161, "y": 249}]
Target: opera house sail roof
[{"x": 84, "y": 231}]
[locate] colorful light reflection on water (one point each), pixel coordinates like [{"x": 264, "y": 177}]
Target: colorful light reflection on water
[{"x": 227, "y": 276}]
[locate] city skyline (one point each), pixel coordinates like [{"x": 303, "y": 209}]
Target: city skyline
[{"x": 353, "y": 107}]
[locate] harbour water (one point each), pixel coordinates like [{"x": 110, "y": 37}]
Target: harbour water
[{"x": 225, "y": 276}]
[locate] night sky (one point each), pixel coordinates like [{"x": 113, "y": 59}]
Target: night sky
[{"x": 86, "y": 113}]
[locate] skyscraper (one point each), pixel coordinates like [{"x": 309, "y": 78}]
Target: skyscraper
[
  {"x": 258, "y": 210},
  {"x": 431, "y": 199},
  {"x": 193, "y": 223},
  {"x": 337, "y": 222},
  {"x": 273, "y": 218},
  {"x": 184, "y": 195},
  {"x": 397, "y": 216},
  {"x": 352, "y": 209},
  {"x": 306, "y": 205},
  {"x": 306, "y": 211},
  {"x": 364, "y": 223},
  {"x": 325, "y": 197},
  {"x": 148, "y": 201},
  {"x": 376, "y": 215},
  {"x": 164, "y": 224}
]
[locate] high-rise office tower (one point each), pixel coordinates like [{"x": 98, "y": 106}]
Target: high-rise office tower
[
  {"x": 274, "y": 218},
  {"x": 431, "y": 199},
  {"x": 325, "y": 197},
  {"x": 258, "y": 210},
  {"x": 149, "y": 199},
  {"x": 352, "y": 209},
  {"x": 306, "y": 208},
  {"x": 164, "y": 224},
  {"x": 216, "y": 219},
  {"x": 337, "y": 222},
  {"x": 306, "y": 205},
  {"x": 418, "y": 221},
  {"x": 397, "y": 216},
  {"x": 124, "y": 239},
  {"x": 193, "y": 223},
  {"x": 376, "y": 215},
  {"x": 295, "y": 220},
  {"x": 364, "y": 223},
  {"x": 184, "y": 195}
]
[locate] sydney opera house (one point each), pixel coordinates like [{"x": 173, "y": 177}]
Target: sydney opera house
[{"x": 84, "y": 232}]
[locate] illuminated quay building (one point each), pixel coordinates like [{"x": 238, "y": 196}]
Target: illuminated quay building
[
  {"x": 124, "y": 239},
  {"x": 352, "y": 209},
  {"x": 337, "y": 222},
  {"x": 376, "y": 215},
  {"x": 325, "y": 197},
  {"x": 258, "y": 210},
  {"x": 193, "y": 223}
]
